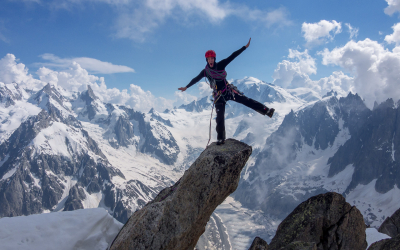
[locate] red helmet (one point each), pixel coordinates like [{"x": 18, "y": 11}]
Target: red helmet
[{"x": 210, "y": 53}]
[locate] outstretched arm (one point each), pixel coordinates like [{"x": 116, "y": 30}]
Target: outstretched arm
[
  {"x": 223, "y": 63},
  {"x": 193, "y": 81}
]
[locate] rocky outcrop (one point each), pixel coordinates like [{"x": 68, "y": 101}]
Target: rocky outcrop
[
  {"x": 373, "y": 150},
  {"x": 177, "y": 217},
  {"x": 391, "y": 226},
  {"x": 259, "y": 244},
  {"x": 91, "y": 107},
  {"x": 325, "y": 221},
  {"x": 310, "y": 130},
  {"x": 9, "y": 93},
  {"x": 75, "y": 197},
  {"x": 387, "y": 244}
]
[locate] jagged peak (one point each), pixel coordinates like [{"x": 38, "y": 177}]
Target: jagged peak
[
  {"x": 91, "y": 93},
  {"x": 48, "y": 92},
  {"x": 9, "y": 93},
  {"x": 88, "y": 96},
  {"x": 330, "y": 93},
  {"x": 389, "y": 103}
]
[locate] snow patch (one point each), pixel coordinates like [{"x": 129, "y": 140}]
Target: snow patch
[
  {"x": 373, "y": 204},
  {"x": 80, "y": 229},
  {"x": 92, "y": 200},
  {"x": 339, "y": 182},
  {"x": 10, "y": 173},
  {"x": 373, "y": 236},
  {"x": 59, "y": 139}
]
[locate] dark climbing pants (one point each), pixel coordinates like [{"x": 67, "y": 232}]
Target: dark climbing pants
[{"x": 220, "y": 108}]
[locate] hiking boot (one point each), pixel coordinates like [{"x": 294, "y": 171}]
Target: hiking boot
[
  {"x": 220, "y": 142},
  {"x": 270, "y": 112}
]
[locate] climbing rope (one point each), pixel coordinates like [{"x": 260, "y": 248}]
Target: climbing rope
[{"x": 215, "y": 75}]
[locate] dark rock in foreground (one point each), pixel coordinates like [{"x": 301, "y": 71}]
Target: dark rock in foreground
[
  {"x": 324, "y": 221},
  {"x": 391, "y": 226},
  {"x": 387, "y": 244},
  {"x": 259, "y": 244},
  {"x": 177, "y": 217}
]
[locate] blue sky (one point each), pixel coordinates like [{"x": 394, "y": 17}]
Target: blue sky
[{"x": 159, "y": 45}]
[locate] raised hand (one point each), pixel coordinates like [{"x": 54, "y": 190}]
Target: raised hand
[
  {"x": 182, "y": 89},
  {"x": 248, "y": 44}
]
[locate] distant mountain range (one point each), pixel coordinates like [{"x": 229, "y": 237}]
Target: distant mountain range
[{"x": 62, "y": 151}]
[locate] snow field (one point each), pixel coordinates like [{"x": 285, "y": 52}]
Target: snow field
[{"x": 78, "y": 230}]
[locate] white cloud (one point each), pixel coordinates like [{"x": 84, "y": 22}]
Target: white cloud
[
  {"x": 183, "y": 98},
  {"x": 289, "y": 74},
  {"x": 353, "y": 31},
  {"x": 279, "y": 17},
  {"x": 137, "y": 22},
  {"x": 305, "y": 62},
  {"x": 393, "y": 6},
  {"x": 296, "y": 73},
  {"x": 11, "y": 71},
  {"x": 338, "y": 81},
  {"x": 395, "y": 37},
  {"x": 318, "y": 33},
  {"x": 375, "y": 69},
  {"x": 205, "y": 89},
  {"x": 76, "y": 79},
  {"x": 137, "y": 19},
  {"x": 93, "y": 65}
]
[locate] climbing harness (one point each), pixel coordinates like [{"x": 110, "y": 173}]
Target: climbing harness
[{"x": 229, "y": 89}]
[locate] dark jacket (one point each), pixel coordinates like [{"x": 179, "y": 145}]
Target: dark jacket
[{"x": 217, "y": 66}]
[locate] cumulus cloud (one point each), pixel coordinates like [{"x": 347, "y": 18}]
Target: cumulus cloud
[
  {"x": 318, "y": 33},
  {"x": 393, "y": 7},
  {"x": 338, "y": 82},
  {"x": 395, "y": 37},
  {"x": 92, "y": 65},
  {"x": 183, "y": 98},
  {"x": 11, "y": 71},
  {"x": 204, "y": 89},
  {"x": 76, "y": 79},
  {"x": 375, "y": 69},
  {"x": 295, "y": 73}
]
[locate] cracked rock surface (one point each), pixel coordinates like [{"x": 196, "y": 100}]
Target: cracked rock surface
[
  {"x": 177, "y": 217},
  {"x": 325, "y": 220},
  {"x": 391, "y": 226}
]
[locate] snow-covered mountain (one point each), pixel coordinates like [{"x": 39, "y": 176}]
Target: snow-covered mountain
[
  {"x": 63, "y": 151},
  {"x": 51, "y": 162},
  {"x": 335, "y": 144}
]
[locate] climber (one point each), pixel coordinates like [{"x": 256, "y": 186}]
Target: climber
[{"x": 223, "y": 91}]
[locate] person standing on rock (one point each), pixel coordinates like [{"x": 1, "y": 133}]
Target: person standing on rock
[{"x": 223, "y": 91}]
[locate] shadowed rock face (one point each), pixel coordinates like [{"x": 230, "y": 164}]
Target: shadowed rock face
[
  {"x": 177, "y": 217},
  {"x": 387, "y": 244},
  {"x": 326, "y": 220},
  {"x": 259, "y": 244},
  {"x": 391, "y": 226}
]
